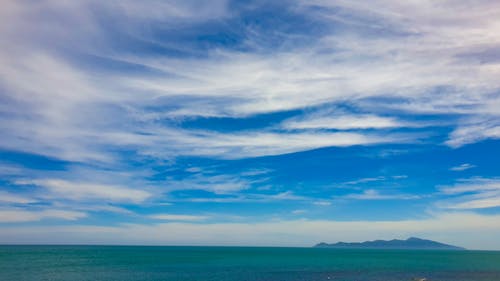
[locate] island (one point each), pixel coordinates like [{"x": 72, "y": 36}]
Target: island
[{"x": 411, "y": 243}]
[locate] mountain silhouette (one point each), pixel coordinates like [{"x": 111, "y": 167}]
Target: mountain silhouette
[{"x": 410, "y": 243}]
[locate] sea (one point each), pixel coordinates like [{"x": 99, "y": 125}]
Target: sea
[{"x": 154, "y": 263}]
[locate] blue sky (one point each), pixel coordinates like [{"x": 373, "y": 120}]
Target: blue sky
[{"x": 249, "y": 123}]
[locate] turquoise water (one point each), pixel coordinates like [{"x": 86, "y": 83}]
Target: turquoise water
[{"x": 126, "y": 263}]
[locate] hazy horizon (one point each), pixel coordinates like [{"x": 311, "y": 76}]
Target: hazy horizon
[
  {"x": 263, "y": 246},
  {"x": 249, "y": 123}
]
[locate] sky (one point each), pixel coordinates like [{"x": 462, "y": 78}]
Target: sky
[{"x": 272, "y": 123}]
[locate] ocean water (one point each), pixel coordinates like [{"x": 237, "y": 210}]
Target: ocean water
[{"x": 127, "y": 263}]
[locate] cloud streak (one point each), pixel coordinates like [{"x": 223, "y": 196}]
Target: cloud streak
[
  {"x": 344, "y": 123},
  {"x": 474, "y": 193},
  {"x": 20, "y": 215},
  {"x": 81, "y": 191},
  {"x": 177, "y": 217},
  {"x": 7, "y": 197},
  {"x": 462, "y": 167},
  {"x": 372, "y": 194}
]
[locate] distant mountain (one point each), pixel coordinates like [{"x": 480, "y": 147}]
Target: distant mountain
[{"x": 410, "y": 243}]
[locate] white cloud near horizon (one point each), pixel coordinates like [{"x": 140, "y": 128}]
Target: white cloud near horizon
[{"x": 469, "y": 230}]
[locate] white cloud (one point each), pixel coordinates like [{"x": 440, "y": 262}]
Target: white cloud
[
  {"x": 366, "y": 180},
  {"x": 251, "y": 197},
  {"x": 475, "y": 130},
  {"x": 259, "y": 83},
  {"x": 299, "y": 211},
  {"x": 218, "y": 184},
  {"x": 462, "y": 167},
  {"x": 492, "y": 200},
  {"x": 193, "y": 170},
  {"x": 474, "y": 193},
  {"x": 472, "y": 185},
  {"x": 21, "y": 215},
  {"x": 64, "y": 189},
  {"x": 343, "y": 122},
  {"x": 7, "y": 169},
  {"x": 7, "y": 197},
  {"x": 451, "y": 35},
  {"x": 261, "y": 144},
  {"x": 372, "y": 194},
  {"x": 255, "y": 172},
  {"x": 322, "y": 203},
  {"x": 285, "y": 195},
  {"x": 177, "y": 217},
  {"x": 54, "y": 126}
]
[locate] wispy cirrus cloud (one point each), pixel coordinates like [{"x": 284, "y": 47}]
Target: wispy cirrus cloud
[
  {"x": 471, "y": 185},
  {"x": 366, "y": 180},
  {"x": 250, "y": 198},
  {"x": 64, "y": 189},
  {"x": 372, "y": 194},
  {"x": 344, "y": 123},
  {"x": 462, "y": 167},
  {"x": 8, "y": 197},
  {"x": 474, "y": 130},
  {"x": 14, "y": 215},
  {"x": 218, "y": 184},
  {"x": 473, "y": 193},
  {"x": 178, "y": 217},
  {"x": 440, "y": 63}
]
